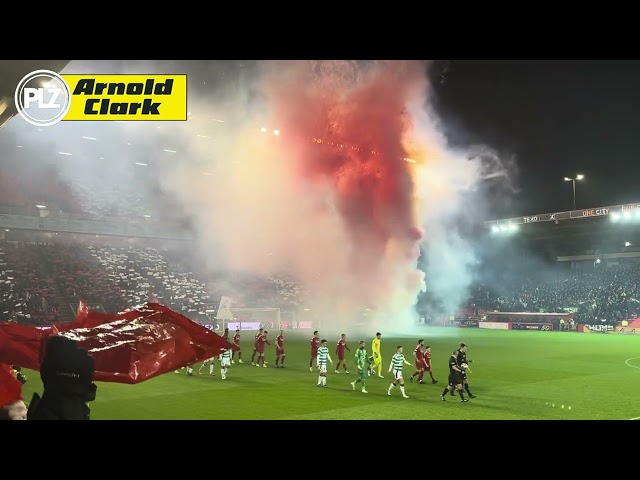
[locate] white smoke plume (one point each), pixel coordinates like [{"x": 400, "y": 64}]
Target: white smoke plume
[{"x": 334, "y": 172}]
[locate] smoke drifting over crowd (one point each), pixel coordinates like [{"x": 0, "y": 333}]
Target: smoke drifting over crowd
[
  {"x": 333, "y": 171},
  {"x": 338, "y": 178}
]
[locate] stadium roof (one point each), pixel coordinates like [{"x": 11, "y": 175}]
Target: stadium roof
[
  {"x": 76, "y": 153},
  {"x": 596, "y": 231},
  {"x": 12, "y": 72}
]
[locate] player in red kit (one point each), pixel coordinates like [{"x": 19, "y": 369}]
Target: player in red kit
[
  {"x": 427, "y": 363},
  {"x": 236, "y": 347},
  {"x": 260, "y": 343},
  {"x": 255, "y": 346},
  {"x": 418, "y": 354},
  {"x": 340, "y": 348},
  {"x": 280, "y": 355},
  {"x": 315, "y": 343}
]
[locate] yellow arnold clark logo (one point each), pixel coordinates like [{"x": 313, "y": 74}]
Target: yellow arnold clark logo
[{"x": 127, "y": 97}]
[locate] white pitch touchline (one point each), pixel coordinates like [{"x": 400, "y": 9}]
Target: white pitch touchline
[
  {"x": 628, "y": 364},
  {"x": 637, "y": 418}
]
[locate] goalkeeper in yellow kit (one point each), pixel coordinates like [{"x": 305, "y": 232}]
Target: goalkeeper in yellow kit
[{"x": 376, "y": 363}]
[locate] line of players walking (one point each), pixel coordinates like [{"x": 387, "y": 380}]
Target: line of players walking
[{"x": 367, "y": 365}]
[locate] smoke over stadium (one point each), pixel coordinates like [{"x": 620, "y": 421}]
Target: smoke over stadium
[
  {"x": 336, "y": 173},
  {"x": 304, "y": 200}
]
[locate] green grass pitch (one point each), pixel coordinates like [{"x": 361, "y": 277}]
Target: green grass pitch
[{"x": 515, "y": 375}]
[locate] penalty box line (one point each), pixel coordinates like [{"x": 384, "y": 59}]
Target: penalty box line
[{"x": 627, "y": 362}]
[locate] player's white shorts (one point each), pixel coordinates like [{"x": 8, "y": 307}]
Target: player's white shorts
[
  {"x": 225, "y": 362},
  {"x": 323, "y": 368},
  {"x": 397, "y": 374}
]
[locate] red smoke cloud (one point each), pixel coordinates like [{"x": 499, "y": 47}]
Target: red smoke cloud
[
  {"x": 331, "y": 199},
  {"x": 350, "y": 134}
]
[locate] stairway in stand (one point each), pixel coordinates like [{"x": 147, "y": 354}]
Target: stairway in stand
[{"x": 64, "y": 309}]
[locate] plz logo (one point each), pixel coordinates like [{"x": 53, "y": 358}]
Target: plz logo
[
  {"x": 37, "y": 96},
  {"x": 44, "y": 98}
]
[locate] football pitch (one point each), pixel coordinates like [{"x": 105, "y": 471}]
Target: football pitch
[{"x": 515, "y": 376}]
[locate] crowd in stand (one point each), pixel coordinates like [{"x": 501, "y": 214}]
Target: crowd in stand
[
  {"x": 27, "y": 292},
  {"x": 42, "y": 283},
  {"x": 23, "y": 191},
  {"x": 110, "y": 200},
  {"x": 138, "y": 271},
  {"x": 599, "y": 295}
]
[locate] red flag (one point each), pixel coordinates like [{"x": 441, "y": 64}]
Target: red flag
[{"x": 128, "y": 347}]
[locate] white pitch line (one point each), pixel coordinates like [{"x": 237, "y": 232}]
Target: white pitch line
[{"x": 627, "y": 362}]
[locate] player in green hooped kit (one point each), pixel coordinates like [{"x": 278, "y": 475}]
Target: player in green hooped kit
[{"x": 362, "y": 362}]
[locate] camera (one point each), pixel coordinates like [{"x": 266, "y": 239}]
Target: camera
[{"x": 17, "y": 372}]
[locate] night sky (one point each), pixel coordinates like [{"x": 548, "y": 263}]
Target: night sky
[{"x": 558, "y": 118}]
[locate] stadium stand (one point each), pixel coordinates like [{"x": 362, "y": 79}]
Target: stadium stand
[
  {"x": 39, "y": 282},
  {"x": 138, "y": 271},
  {"x": 601, "y": 295},
  {"x": 42, "y": 282},
  {"x": 27, "y": 288}
]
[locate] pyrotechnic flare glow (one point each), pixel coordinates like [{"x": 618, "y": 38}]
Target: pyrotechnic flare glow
[{"x": 340, "y": 195}]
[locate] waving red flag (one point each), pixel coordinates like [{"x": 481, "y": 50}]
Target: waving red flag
[{"x": 128, "y": 347}]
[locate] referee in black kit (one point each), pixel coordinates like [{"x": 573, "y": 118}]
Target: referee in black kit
[
  {"x": 455, "y": 378},
  {"x": 462, "y": 358}
]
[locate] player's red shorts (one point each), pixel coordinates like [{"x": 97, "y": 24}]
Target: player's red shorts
[
  {"x": 426, "y": 366},
  {"x": 279, "y": 352},
  {"x": 419, "y": 365},
  {"x": 314, "y": 353},
  {"x": 260, "y": 350},
  {"x": 236, "y": 348},
  {"x": 341, "y": 357}
]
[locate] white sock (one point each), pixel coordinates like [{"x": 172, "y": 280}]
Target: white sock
[
  {"x": 211, "y": 369},
  {"x": 319, "y": 380},
  {"x": 391, "y": 386},
  {"x": 402, "y": 389},
  {"x": 201, "y": 367},
  {"x": 324, "y": 380}
]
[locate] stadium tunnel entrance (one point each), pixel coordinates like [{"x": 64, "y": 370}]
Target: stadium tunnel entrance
[{"x": 11, "y": 72}]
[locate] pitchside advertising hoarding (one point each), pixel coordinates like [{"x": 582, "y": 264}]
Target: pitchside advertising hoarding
[
  {"x": 232, "y": 326},
  {"x": 596, "y": 328},
  {"x": 44, "y": 98},
  {"x": 465, "y": 322},
  {"x": 609, "y": 329},
  {"x": 494, "y": 325},
  {"x": 540, "y": 327},
  {"x": 627, "y": 331}
]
